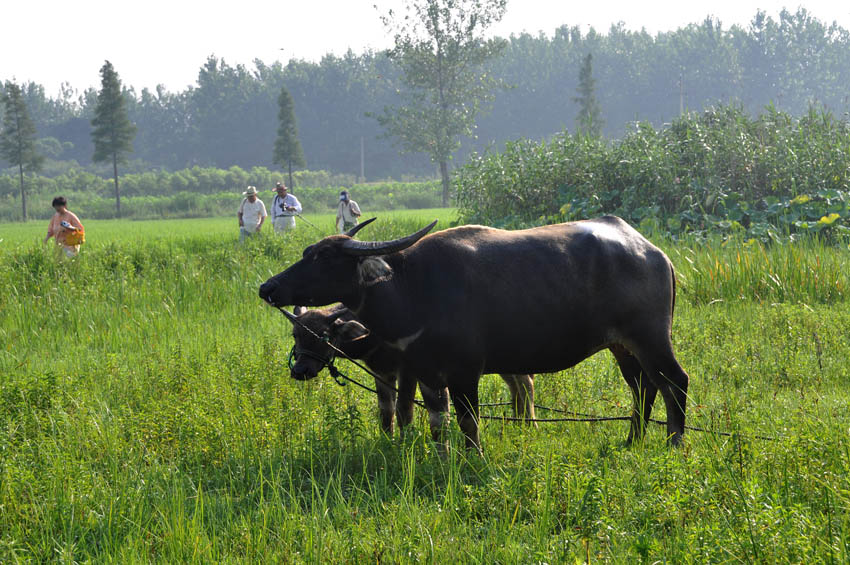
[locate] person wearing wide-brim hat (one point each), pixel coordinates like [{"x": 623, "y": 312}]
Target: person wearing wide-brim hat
[
  {"x": 284, "y": 209},
  {"x": 252, "y": 213}
]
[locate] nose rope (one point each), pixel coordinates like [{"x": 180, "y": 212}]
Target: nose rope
[{"x": 296, "y": 352}]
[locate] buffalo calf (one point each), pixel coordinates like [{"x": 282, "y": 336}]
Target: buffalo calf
[{"x": 314, "y": 331}]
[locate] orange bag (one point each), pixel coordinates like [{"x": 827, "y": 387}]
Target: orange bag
[{"x": 75, "y": 237}]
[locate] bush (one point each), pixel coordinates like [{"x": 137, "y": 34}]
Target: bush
[{"x": 718, "y": 170}]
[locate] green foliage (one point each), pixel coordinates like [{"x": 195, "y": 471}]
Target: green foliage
[
  {"x": 718, "y": 171},
  {"x": 515, "y": 187},
  {"x": 147, "y": 415},
  {"x": 198, "y": 193},
  {"x": 810, "y": 270},
  {"x": 287, "y": 148},
  {"x": 17, "y": 138},
  {"x": 112, "y": 131},
  {"x": 374, "y": 196},
  {"x": 233, "y": 114},
  {"x": 589, "y": 120},
  {"x": 228, "y": 117},
  {"x": 441, "y": 50}
]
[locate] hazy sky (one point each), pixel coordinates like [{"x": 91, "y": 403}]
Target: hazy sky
[{"x": 165, "y": 42}]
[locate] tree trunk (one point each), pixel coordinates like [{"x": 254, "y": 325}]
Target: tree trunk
[
  {"x": 290, "y": 175},
  {"x": 115, "y": 176},
  {"x": 444, "y": 173},
  {"x": 23, "y": 192}
]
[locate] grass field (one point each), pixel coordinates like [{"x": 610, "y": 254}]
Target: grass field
[
  {"x": 103, "y": 231},
  {"x": 146, "y": 414}
]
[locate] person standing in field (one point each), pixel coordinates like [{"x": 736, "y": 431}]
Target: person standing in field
[
  {"x": 66, "y": 228},
  {"x": 347, "y": 213},
  {"x": 252, "y": 214},
  {"x": 284, "y": 209}
]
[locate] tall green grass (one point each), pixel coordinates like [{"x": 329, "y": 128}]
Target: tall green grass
[
  {"x": 146, "y": 414},
  {"x": 805, "y": 271}
]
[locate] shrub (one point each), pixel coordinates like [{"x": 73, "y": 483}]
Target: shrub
[{"x": 718, "y": 170}]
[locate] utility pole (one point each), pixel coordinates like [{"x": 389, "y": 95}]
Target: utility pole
[{"x": 681, "y": 94}]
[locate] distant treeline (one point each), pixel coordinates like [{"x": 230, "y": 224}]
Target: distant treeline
[
  {"x": 717, "y": 170},
  {"x": 204, "y": 192},
  {"x": 229, "y": 117}
]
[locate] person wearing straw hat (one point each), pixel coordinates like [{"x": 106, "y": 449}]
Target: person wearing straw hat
[
  {"x": 252, "y": 214},
  {"x": 284, "y": 209}
]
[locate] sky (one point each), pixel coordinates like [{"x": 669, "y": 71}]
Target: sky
[{"x": 152, "y": 42}]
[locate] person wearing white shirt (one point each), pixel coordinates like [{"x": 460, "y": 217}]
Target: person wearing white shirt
[
  {"x": 284, "y": 209},
  {"x": 347, "y": 213},
  {"x": 252, "y": 214}
]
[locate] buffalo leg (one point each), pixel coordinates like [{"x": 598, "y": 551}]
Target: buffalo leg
[
  {"x": 672, "y": 381},
  {"x": 522, "y": 396},
  {"x": 465, "y": 400},
  {"x": 437, "y": 403},
  {"x": 643, "y": 392},
  {"x": 386, "y": 403},
  {"x": 404, "y": 407},
  {"x": 675, "y": 397}
]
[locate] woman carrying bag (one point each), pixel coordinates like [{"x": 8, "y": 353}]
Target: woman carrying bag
[{"x": 66, "y": 228}]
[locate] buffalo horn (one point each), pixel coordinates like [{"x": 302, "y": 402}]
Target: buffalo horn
[
  {"x": 360, "y": 226},
  {"x": 354, "y": 247},
  {"x": 337, "y": 313}
]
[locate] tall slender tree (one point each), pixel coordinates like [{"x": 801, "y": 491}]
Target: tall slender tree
[
  {"x": 589, "y": 119},
  {"x": 287, "y": 148},
  {"x": 113, "y": 132},
  {"x": 441, "y": 49},
  {"x": 17, "y": 139}
]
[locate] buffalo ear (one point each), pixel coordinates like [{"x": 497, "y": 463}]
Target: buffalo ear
[
  {"x": 299, "y": 310},
  {"x": 373, "y": 270},
  {"x": 351, "y": 330}
]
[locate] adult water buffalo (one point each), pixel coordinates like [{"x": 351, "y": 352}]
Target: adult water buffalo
[
  {"x": 471, "y": 300},
  {"x": 314, "y": 331}
]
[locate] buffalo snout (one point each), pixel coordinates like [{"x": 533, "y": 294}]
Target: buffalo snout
[
  {"x": 267, "y": 289},
  {"x": 303, "y": 373},
  {"x": 300, "y": 375}
]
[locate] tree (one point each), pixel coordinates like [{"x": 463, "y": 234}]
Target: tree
[
  {"x": 164, "y": 128},
  {"x": 232, "y": 115},
  {"x": 113, "y": 132},
  {"x": 17, "y": 139},
  {"x": 441, "y": 49},
  {"x": 287, "y": 148},
  {"x": 588, "y": 121}
]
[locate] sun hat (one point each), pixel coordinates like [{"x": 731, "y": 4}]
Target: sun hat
[{"x": 251, "y": 190}]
